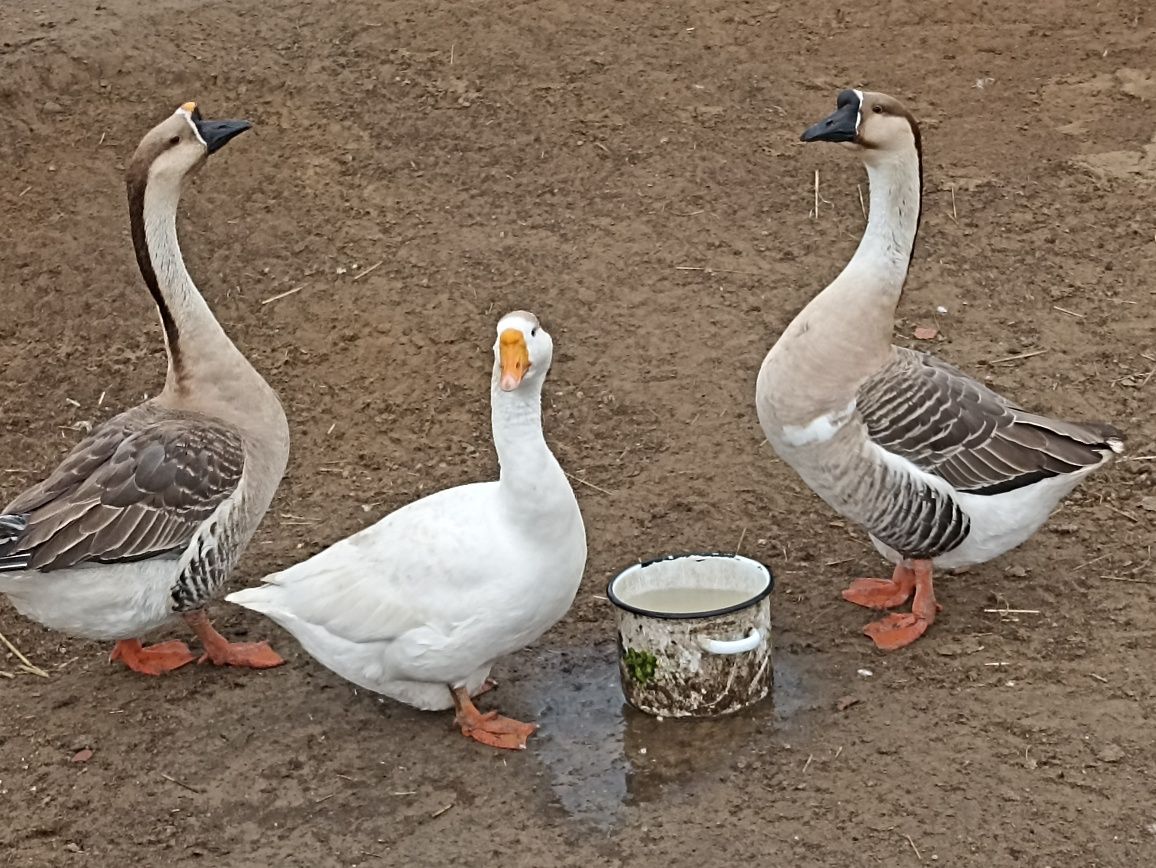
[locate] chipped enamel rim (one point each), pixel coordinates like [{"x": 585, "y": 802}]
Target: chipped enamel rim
[{"x": 682, "y": 616}]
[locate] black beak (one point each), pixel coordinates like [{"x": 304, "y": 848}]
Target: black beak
[
  {"x": 840, "y": 126},
  {"x": 217, "y": 133}
]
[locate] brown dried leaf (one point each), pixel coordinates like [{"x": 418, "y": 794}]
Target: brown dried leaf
[{"x": 926, "y": 333}]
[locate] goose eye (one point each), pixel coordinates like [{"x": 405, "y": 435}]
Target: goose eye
[
  {"x": 878, "y": 109},
  {"x": 175, "y": 140},
  {"x": 533, "y": 331}
]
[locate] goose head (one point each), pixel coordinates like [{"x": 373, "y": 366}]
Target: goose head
[
  {"x": 874, "y": 124},
  {"x": 181, "y": 143},
  {"x": 522, "y": 352}
]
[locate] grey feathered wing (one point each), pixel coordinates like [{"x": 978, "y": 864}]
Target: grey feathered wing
[
  {"x": 139, "y": 486},
  {"x": 953, "y": 426}
]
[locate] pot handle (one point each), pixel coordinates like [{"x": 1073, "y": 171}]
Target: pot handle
[{"x": 734, "y": 646}]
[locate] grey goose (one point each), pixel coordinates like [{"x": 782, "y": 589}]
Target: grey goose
[
  {"x": 940, "y": 470},
  {"x": 145, "y": 518}
]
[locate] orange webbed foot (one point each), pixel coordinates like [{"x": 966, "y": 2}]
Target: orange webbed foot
[
  {"x": 490, "y": 728},
  {"x": 247, "y": 655},
  {"x": 881, "y": 593},
  {"x": 221, "y": 652},
  {"x": 900, "y": 629},
  {"x": 496, "y": 731},
  {"x": 153, "y": 659},
  {"x": 897, "y": 630}
]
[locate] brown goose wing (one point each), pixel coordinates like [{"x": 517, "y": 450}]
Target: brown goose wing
[
  {"x": 953, "y": 426},
  {"x": 138, "y": 486}
]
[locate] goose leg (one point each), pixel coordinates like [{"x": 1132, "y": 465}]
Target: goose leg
[
  {"x": 221, "y": 652},
  {"x": 487, "y": 685},
  {"x": 883, "y": 593},
  {"x": 489, "y": 728},
  {"x": 152, "y": 659},
  {"x": 898, "y": 629}
]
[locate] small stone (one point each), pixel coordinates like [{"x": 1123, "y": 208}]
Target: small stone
[
  {"x": 73, "y": 847},
  {"x": 845, "y": 702},
  {"x": 53, "y": 108},
  {"x": 1016, "y": 572},
  {"x": 82, "y": 756},
  {"x": 926, "y": 333},
  {"x": 1110, "y": 753},
  {"x": 1148, "y": 503}
]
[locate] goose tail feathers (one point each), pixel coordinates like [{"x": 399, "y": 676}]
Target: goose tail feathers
[
  {"x": 1110, "y": 436},
  {"x": 257, "y": 599}
]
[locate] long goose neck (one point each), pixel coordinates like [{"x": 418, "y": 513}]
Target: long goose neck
[
  {"x": 851, "y": 321},
  {"x": 527, "y": 467},
  {"x": 195, "y": 341},
  {"x": 879, "y": 266},
  {"x": 844, "y": 333}
]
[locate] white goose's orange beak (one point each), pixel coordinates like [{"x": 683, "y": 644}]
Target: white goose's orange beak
[{"x": 514, "y": 357}]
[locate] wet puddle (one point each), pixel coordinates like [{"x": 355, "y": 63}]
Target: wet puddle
[{"x": 604, "y": 756}]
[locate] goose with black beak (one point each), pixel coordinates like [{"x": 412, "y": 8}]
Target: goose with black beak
[
  {"x": 146, "y": 517},
  {"x": 940, "y": 470}
]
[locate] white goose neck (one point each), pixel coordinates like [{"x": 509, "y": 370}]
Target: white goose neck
[
  {"x": 528, "y": 470},
  {"x": 517, "y": 423}
]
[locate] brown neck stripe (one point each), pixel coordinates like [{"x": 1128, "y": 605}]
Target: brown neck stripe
[{"x": 136, "y": 195}]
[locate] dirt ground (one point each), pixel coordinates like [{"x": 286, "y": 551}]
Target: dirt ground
[{"x": 631, "y": 172}]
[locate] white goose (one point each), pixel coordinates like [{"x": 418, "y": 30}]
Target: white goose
[
  {"x": 146, "y": 517},
  {"x": 940, "y": 470},
  {"x": 419, "y": 605}
]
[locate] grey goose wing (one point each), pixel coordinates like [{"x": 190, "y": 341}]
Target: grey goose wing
[
  {"x": 139, "y": 486},
  {"x": 951, "y": 425}
]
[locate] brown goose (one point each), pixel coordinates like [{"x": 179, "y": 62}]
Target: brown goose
[
  {"x": 940, "y": 470},
  {"x": 147, "y": 516}
]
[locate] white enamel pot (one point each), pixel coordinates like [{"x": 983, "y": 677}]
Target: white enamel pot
[{"x": 694, "y": 663}]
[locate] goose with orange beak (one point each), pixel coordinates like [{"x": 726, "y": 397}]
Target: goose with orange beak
[{"x": 421, "y": 604}]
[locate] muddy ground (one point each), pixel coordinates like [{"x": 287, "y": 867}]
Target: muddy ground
[{"x": 631, "y": 172}]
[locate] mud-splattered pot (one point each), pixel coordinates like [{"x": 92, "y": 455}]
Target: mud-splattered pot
[{"x": 678, "y": 658}]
